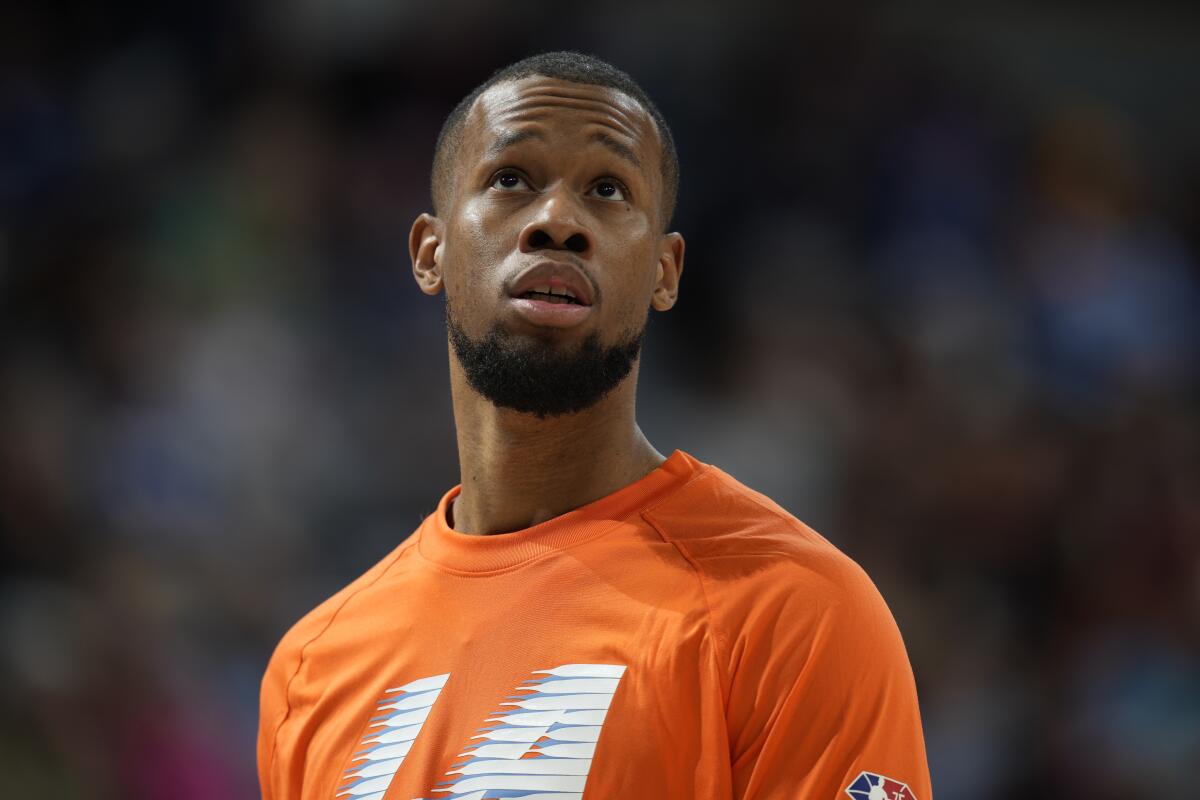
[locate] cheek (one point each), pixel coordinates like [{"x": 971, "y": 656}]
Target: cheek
[
  {"x": 637, "y": 289},
  {"x": 472, "y": 251}
]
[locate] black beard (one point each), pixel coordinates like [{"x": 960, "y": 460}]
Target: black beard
[{"x": 538, "y": 379}]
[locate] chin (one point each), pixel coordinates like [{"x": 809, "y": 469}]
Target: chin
[{"x": 520, "y": 331}]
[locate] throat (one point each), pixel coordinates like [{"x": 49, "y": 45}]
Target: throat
[{"x": 544, "y": 471}]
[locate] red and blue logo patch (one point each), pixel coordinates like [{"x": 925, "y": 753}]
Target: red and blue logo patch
[{"x": 869, "y": 786}]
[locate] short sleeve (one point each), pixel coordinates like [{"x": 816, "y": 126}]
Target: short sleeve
[
  {"x": 272, "y": 710},
  {"x": 822, "y": 699}
]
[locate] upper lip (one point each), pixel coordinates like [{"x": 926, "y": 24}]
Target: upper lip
[{"x": 556, "y": 275}]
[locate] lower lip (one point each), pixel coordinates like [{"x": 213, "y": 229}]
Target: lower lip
[{"x": 551, "y": 315}]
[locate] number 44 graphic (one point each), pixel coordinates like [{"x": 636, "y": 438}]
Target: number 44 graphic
[{"x": 538, "y": 745}]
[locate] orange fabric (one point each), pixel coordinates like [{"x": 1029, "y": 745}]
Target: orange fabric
[{"x": 725, "y": 649}]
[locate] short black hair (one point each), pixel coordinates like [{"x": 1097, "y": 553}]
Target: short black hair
[{"x": 564, "y": 65}]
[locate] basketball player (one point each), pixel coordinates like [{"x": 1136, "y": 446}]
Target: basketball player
[{"x": 582, "y": 617}]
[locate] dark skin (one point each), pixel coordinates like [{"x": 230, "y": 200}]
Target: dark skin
[{"x": 555, "y": 171}]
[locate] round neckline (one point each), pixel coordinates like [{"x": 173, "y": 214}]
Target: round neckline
[{"x": 483, "y": 553}]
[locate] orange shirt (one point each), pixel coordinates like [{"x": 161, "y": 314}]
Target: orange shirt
[{"x": 681, "y": 638}]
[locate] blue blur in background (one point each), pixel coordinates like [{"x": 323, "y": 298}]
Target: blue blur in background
[{"x": 942, "y": 301}]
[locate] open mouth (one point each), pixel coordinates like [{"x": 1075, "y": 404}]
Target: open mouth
[
  {"x": 548, "y": 294},
  {"x": 550, "y": 301}
]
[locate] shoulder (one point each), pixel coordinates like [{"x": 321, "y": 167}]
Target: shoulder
[
  {"x": 777, "y": 591},
  {"x": 736, "y": 537},
  {"x": 313, "y": 624},
  {"x": 287, "y": 660},
  {"x": 816, "y": 681},
  {"x": 787, "y": 608}
]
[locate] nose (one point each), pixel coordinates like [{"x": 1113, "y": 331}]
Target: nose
[{"x": 557, "y": 226}]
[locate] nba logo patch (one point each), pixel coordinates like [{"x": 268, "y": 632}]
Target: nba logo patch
[{"x": 869, "y": 786}]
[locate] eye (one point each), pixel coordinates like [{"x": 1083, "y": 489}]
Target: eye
[
  {"x": 507, "y": 180},
  {"x": 610, "y": 189}
]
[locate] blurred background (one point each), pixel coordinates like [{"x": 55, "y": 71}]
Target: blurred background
[{"x": 942, "y": 301}]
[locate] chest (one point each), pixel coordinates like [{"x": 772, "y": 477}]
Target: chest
[{"x": 450, "y": 692}]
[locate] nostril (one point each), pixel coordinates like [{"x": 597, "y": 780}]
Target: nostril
[
  {"x": 539, "y": 239},
  {"x": 576, "y": 243}
]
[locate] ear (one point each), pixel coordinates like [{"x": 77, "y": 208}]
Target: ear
[
  {"x": 670, "y": 267},
  {"x": 425, "y": 250}
]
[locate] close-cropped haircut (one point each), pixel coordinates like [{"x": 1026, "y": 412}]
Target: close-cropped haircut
[{"x": 564, "y": 66}]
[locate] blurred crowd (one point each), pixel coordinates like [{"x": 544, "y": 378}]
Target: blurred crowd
[{"x": 942, "y": 302}]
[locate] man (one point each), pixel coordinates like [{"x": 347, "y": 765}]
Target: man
[{"x": 582, "y": 617}]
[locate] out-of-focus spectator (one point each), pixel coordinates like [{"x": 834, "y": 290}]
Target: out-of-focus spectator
[{"x": 948, "y": 314}]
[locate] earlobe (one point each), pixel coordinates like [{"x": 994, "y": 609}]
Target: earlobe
[
  {"x": 670, "y": 268},
  {"x": 425, "y": 250}
]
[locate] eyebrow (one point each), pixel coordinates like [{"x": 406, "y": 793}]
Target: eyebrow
[
  {"x": 622, "y": 150},
  {"x": 513, "y": 138}
]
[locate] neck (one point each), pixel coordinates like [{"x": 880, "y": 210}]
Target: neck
[{"x": 518, "y": 470}]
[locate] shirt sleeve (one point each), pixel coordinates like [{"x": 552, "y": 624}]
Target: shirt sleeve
[
  {"x": 272, "y": 710},
  {"x": 822, "y": 701}
]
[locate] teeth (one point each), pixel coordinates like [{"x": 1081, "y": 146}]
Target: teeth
[
  {"x": 563, "y": 291},
  {"x": 555, "y": 291}
]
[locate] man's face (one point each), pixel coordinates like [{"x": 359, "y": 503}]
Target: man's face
[{"x": 550, "y": 242}]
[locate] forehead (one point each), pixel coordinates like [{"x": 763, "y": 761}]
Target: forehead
[{"x": 538, "y": 102}]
